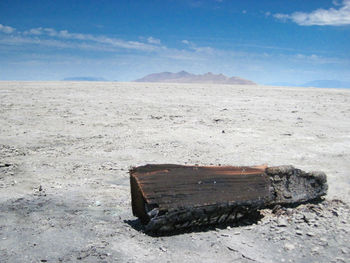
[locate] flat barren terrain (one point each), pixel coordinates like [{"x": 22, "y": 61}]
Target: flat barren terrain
[{"x": 66, "y": 147}]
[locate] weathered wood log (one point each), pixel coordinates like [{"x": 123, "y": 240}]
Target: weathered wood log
[{"x": 168, "y": 197}]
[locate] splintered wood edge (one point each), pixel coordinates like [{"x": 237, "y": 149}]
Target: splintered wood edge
[{"x": 137, "y": 200}]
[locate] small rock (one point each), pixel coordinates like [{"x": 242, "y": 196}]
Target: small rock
[
  {"x": 315, "y": 250},
  {"x": 322, "y": 239},
  {"x": 289, "y": 211},
  {"x": 339, "y": 259},
  {"x": 281, "y": 222},
  {"x": 97, "y": 203},
  {"x": 335, "y": 212},
  {"x": 289, "y": 246},
  {"x": 308, "y": 217},
  {"x": 310, "y": 234},
  {"x": 299, "y": 232},
  {"x": 232, "y": 249},
  {"x": 276, "y": 208},
  {"x": 162, "y": 249},
  {"x": 344, "y": 250},
  {"x": 298, "y": 216},
  {"x": 280, "y": 231}
]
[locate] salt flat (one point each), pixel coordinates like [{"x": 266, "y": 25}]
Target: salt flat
[{"x": 68, "y": 146}]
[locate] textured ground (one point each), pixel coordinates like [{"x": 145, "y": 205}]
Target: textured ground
[{"x": 65, "y": 151}]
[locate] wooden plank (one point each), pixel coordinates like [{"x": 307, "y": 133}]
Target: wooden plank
[
  {"x": 169, "y": 197},
  {"x": 173, "y": 186}
]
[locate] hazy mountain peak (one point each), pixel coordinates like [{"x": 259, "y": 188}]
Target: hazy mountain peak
[{"x": 186, "y": 77}]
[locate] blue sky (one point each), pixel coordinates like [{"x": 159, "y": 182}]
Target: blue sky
[{"x": 291, "y": 41}]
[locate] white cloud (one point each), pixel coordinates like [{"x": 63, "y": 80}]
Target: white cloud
[
  {"x": 198, "y": 49},
  {"x": 6, "y": 29},
  {"x": 321, "y": 17},
  {"x": 307, "y": 57},
  {"x": 111, "y": 42},
  {"x": 59, "y": 43},
  {"x": 153, "y": 40},
  {"x": 35, "y": 31},
  {"x": 19, "y": 40},
  {"x": 317, "y": 59}
]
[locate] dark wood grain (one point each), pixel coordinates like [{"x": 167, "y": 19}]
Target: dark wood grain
[{"x": 174, "y": 186}]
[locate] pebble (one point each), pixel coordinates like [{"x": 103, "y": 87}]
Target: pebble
[
  {"x": 299, "y": 232},
  {"x": 280, "y": 231},
  {"x": 289, "y": 211},
  {"x": 315, "y": 249},
  {"x": 308, "y": 217},
  {"x": 344, "y": 250},
  {"x": 323, "y": 242},
  {"x": 281, "y": 222},
  {"x": 310, "y": 234},
  {"x": 289, "y": 246},
  {"x": 98, "y": 203},
  {"x": 339, "y": 259}
]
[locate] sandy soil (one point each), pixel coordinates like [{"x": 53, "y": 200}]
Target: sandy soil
[{"x": 66, "y": 147}]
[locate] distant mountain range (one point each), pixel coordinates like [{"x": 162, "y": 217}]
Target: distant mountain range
[
  {"x": 185, "y": 77},
  {"x": 84, "y": 79},
  {"x": 316, "y": 84}
]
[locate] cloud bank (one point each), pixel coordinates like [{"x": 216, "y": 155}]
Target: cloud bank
[
  {"x": 320, "y": 17},
  {"x": 6, "y": 29},
  {"x": 107, "y": 41}
]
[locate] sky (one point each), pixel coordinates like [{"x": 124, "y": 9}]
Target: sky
[{"x": 289, "y": 41}]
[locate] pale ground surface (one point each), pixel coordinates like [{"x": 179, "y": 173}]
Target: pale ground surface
[{"x": 78, "y": 140}]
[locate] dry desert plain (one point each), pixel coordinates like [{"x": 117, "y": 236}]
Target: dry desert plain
[{"x": 66, "y": 147}]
